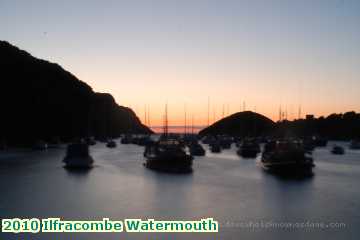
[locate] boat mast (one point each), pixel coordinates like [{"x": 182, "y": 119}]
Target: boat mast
[
  {"x": 192, "y": 124},
  {"x": 166, "y": 121},
  {"x": 185, "y": 119},
  {"x": 145, "y": 115},
  {"x": 214, "y": 114},
  {"x": 223, "y": 111},
  {"x": 208, "y": 112},
  {"x": 148, "y": 118}
]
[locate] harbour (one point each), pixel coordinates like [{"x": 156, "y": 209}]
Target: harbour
[{"x": 232, "y": 190}]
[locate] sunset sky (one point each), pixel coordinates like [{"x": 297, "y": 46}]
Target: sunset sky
[{"x": 267, "y": 53}]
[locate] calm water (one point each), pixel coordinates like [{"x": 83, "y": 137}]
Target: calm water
[{"x": 232, "y": 190}]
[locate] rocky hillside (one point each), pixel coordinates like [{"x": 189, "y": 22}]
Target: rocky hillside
[{"x": 41, "y": 100}]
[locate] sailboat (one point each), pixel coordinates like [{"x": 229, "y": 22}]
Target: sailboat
[
  {"x": 167, "y": 154},
  {"x": 111, "y": 143},
  {"x": 215, "y": 146},
  {"x": 77, "y": 156},
  {"x": 338, "y": 150},
  {"x": 40, "y": 145},
  {"x": 355, "y": 145},
  {"x": 286, "y": 157},
  {"x": 249, "y": 149},
  {"x": 195, "y": 147}
]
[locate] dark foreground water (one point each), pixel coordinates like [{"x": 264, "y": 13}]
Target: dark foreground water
[{"x": 233, "y": 191}]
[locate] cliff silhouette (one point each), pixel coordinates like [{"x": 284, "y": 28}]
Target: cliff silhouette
[
  {"x": 41, "y": 100},
  {"x": 244, "y": 124},
  {"x": 249, "y": 124}
]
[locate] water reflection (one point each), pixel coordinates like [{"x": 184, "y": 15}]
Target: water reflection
[
  {"x": 77, "y": 172},
  {"x": 221, "y": 186},
  {"x": 170, "y": 195},
  {"x": 299, "y": 177}
]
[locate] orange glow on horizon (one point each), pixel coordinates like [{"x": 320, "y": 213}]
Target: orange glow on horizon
[
  {"x": 263, "y": 92},
  {"x": 177, "y": 118}
]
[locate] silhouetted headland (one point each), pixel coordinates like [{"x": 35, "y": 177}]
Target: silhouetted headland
[
  {"x": 41, "y": 100},
  {"x": 241, "y": 124},
  {"x": 249, "y": 124}
]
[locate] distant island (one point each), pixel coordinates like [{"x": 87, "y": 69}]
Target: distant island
[
  {"x": 249, "y": 124},
  {"x": 41, "y": 100}
]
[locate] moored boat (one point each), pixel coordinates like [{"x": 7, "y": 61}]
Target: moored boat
[
  {"x": 286, "y": 157},
  {"x": 111, "y": 144},
  {"x": 78, "y": 156},
  {"x": 320, "y": 142},
  {"x": 355, "y": 145},
  {"x": 196, "y": 149},
  {"x": 127, "y": 139},
  {"x": 40, "y": 145},
  {"x": 215, "y": 147},
  {"x": 338, "y": 150},
  {"x": 249, "y": 149},
  {"x": 90, "y": 141},
  {"x": 168, "y": 156},
  {"x": 225, "y": 142}
]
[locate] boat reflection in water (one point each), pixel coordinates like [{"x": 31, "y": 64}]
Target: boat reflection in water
[
  {"x": 286, "y": 157},
  {"x": 78, "y": 157}
]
